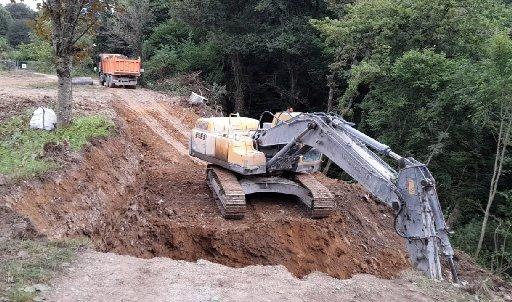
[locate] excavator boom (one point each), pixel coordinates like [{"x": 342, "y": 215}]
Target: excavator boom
[{"x": 410, "y": 190}]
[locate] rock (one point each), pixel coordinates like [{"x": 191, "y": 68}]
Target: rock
[
  {"x": 29, "y": 289},
  {"x": 3, "y": 180},
  {"x": 23, "y": 254},
  {"x": 81, "y": 81},
  {"x": 41, "y": 287}
]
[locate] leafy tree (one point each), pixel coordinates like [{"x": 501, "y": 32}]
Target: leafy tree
[
  {"x": 70, "y": 21},
  {"x": 175, "y": 47},
  {"x": 369, "y": 35},
  {"x": 20, "y": 11},
  {"x": 19, "y": 32},
  {"x": 5, "y": 21},
  {"x": 130, "y": 23},
  {"x": 495, "y": 109}
]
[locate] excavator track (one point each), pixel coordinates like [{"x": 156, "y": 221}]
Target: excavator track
[
  {"x": 228, "y": 192},
  {"x": 323, "y": 200}
]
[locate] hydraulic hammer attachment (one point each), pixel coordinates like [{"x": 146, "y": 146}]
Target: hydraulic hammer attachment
[{"x": 420, "y": 220}]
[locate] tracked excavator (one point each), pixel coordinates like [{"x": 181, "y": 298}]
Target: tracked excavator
[{"x": 247, "y": 156}]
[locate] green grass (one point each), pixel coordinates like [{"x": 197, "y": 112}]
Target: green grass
[
  {"x": 24, "y": 263},
  {"x": 21, "y": 148}
]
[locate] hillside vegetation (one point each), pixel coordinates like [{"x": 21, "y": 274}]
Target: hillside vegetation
[{"x": 430, "y": 78}]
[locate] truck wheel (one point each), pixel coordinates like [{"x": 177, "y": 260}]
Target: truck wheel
[{"x": 110, "y": 83}]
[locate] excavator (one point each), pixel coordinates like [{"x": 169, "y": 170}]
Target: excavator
[{"x": 247, "y": 156}]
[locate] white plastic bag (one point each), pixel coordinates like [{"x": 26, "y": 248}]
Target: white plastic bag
[
  {"x": 196, "y": 99},
  {"x": 43, "y": 118}
]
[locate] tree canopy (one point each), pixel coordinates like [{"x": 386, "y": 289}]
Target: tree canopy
[{"x": 430, "y": 78}]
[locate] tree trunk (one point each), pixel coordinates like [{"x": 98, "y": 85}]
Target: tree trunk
[
  {"x": 64, "y": 90},
  {"x": 330, "y": 84},
  {"x": 293, "y": 72},
  {"x": 236, "y": 66},
  {"x": 503, "y": 141}
]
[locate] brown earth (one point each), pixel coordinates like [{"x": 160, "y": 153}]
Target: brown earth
[{"x": 140, "y": 194}]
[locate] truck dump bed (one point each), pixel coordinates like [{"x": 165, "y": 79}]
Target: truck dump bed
[{"x": 120, "y": 65}]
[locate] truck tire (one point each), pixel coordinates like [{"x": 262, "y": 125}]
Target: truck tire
[{"x": 110, "y": 83}]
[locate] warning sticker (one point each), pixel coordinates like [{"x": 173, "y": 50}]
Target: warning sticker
[{"x": 411, "y": 187}]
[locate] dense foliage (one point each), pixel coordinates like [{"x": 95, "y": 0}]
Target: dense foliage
[
  {"x": 431, "y": 78},
  {"x": 18, "y": 28},
  {"x": 265, "y": 52}
]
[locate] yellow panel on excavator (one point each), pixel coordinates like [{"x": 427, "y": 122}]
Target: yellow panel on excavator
[
  {"x": 283, "y": 116},
  {"x": 242, "y": 153},
  {"x": 221, "y": 148},
  {"x": 231, "y": 138}
]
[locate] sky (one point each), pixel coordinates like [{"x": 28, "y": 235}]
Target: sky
[{"x": 31, "y": 3}]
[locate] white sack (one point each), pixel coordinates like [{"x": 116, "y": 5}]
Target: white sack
[
  {"x": 43, "y": 118},
  {"x": 196, "y": 99}
]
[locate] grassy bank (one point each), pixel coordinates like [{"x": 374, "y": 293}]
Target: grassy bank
[
  {"x": 21, "y": 148},
  {"x": 26, "y": 265}
]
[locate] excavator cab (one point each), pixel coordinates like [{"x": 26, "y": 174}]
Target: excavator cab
[
  {"x": 283, "y": 116},
  {"x": 227, "y": 142},
  {"x": 309, "y": 161}
]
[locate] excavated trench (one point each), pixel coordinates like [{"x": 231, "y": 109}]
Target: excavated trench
[{"x": 135, "y": 194}]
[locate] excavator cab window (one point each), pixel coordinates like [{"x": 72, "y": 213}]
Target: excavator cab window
[{"x": 312, "y": 155}]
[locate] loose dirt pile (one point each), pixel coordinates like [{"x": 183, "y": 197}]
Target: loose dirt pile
[{"x": 141, "y": 194}]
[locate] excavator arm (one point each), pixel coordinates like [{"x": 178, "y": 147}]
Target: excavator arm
[{"x": 410, "y": 191}]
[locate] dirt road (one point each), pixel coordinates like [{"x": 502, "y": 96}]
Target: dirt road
[
  {"x": 124, "y": 278},
  {"x": 141, "y": 194}
]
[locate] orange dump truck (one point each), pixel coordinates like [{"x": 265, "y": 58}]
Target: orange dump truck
[{"x": 118, "y": 70}]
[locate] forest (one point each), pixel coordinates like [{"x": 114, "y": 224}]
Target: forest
[{"x": 430, "y": 78}]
